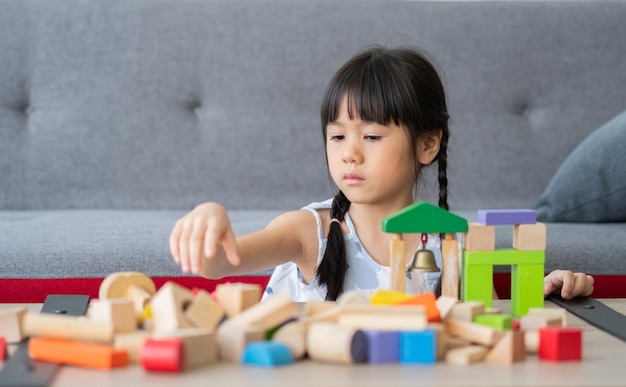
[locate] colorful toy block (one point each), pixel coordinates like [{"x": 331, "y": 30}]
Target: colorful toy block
[
  {"x": 383, "y": 346},
  {"x": 3, "y": 349},
  {"x": 11, "y": 324},
  {"x": 429, "y": 302},
  {"x": 76, "y": 353},
  {"x": 507, "y": 217},
  {"x": 560, "y": 344},
  {"x": 199, "y": 345},
  {"x": 418, "y": 347},
  {"x": 131, "y": 285},
  {"x": 497, "y": 321},
  {"x": 267, "y": 354},
  {"x": 527, "y": 271},
  {"x": 293, "y": 335},
  {"x": 162, "y": 355}
]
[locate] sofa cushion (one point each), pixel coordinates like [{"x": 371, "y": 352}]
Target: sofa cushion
[{"x": 590, "y": 185}]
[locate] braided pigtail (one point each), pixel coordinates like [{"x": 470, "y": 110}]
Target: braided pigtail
[
  {"x": 442, "y": 163},
  {"x": 333, "y": 267}
]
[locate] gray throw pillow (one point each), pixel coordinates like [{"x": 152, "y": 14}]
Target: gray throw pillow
[{"x": 590, "y": 185}]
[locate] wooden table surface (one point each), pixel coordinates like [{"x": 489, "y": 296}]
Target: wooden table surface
[{"x": 603, "y": 364}]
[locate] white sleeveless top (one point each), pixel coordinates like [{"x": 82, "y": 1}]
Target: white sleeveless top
[{"x": 364, "y": 273}]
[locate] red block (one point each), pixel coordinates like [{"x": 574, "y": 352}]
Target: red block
[
  {"x": 164, "y": 355},
  {"x": 3, "y": 349},
  {"x": 560, "y": 344}
]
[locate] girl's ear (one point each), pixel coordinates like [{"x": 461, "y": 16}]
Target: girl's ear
[{"x": 428, "y": 146}]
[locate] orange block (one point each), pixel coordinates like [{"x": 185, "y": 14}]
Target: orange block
[
  {"x": 76, "y": 353},
  {"x": 429, "y": 301}
]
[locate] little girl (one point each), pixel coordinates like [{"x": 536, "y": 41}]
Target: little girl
[{"x": 384, "y": 117}]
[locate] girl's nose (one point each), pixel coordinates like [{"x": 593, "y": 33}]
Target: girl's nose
[{"x": 352, "y": 153}]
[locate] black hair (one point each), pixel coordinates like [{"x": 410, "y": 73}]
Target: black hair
[{"x": 383, "y": 85}]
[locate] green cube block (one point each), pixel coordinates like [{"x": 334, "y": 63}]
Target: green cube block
[{"x": 497, "y": 321}]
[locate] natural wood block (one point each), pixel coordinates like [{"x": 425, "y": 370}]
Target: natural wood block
[
  {"x": 555, "y": 312},
  {"x": 336, "y": 344},
  {"x": 397, "y": 264},
  {"x": 385, "y": 318},
  {"x": 67, "y": 327},
  {"x": 199, "y": 345},
  {"x": 119, "y": 311},
  {"x": 466, "y": 311},
  {"x": 445, "y": 304},
  {"x": 533, "y": 322},
  {"x": 509, "y": 349},
  {"x": 132, "y": 343},
  {"x": 232, "y": 340},
  {"x": 450, "y": 271},
  {"x": 237, "y": 297},
  {"x": 204, "y": 311},
  {"x": 11, "y": 324},
  {"x": 475, "y": 333},
  {"x": 168, "y": 306},
  {"x": 530, "y": 237},
  {"x": 268, "y": 314},
  {"x": 466, "y": 355},
  {"x": 479, "y": 237},
  {"x": 293, "y": 335}
]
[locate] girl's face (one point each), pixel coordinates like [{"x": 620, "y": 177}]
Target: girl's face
[{"x": 373, "y": 163}]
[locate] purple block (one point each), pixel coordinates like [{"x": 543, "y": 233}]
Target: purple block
[
  {"x": 507, "y": 217},
  {"x": 383, "y": 346}
]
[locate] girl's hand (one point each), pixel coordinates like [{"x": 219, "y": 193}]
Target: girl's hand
[
  {"x": 199, "y": 235},
  {"x": 571, "y": 284}
]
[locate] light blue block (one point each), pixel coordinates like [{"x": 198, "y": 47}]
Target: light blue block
[
  {"x": 418, "y": 347},
  {"x": 266, "y": 354}
]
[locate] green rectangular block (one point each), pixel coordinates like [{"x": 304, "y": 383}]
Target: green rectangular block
[
  {"x": 526, "y": 288},
  {"x": 477, "y": 283},
  {"x": 503, "y": 257},
  {"x": 497, "y": 321}
]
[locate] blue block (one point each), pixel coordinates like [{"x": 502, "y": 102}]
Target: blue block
[
  {"x": 266, "y": 354},
  {"x": 507, "y": 217},
  {"x": 383, "y": 346},
  {"x": 418, "y": 347}
]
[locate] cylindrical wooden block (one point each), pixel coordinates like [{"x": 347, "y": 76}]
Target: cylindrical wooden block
[
  {"x": 164, "y": 355},
  {"x": 293, "y": 335},
  {"x": 67, "y": 327},
  {"x": 337, "y": 344}
]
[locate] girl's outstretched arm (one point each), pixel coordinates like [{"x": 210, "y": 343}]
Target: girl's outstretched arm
[
  {"x": 204, "y": 243},
  {"x": 571, "y": 284}
]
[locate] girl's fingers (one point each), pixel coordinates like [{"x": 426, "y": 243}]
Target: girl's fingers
[
  {"x": 230, "y": 248},
  {"x": 183, "y": 246},
  {"x": 174, "y": 240},
  {"x": 196, "y": 240}
]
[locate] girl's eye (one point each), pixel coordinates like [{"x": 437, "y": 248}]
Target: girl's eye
[
  {"x": 337, "y": 137},
  {"x": 372, "y": 138}
]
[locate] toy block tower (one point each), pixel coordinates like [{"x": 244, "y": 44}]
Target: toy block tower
[
  {"x": 423, "y": 217},
  {"x": 526, "y": 258}
]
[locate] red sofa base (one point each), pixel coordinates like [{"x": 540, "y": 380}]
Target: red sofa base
[{"x": 36, "y": 290}]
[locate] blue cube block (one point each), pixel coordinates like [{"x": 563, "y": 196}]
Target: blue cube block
[
  {"x": 383, "y": 346},
  {"x": 266, "y": 354},
  {"x": 418, "y": 347}
]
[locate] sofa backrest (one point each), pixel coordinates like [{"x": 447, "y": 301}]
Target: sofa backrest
[{"x": 165, "y": 104}]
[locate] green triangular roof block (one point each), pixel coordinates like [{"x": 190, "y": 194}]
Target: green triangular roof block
[{"x": 423, "y": 217}]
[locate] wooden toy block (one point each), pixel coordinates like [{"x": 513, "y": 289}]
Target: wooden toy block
[
  {"x": 162, "y": 355},
  {"x": 503, "y": 257},
  {"x": 233, "y": 338},
  {"x": 353, "y": 297},
  {"x": 237, "y": 297},
  {"x": 445, "y": 304},
  {"x": 397, "y": 264},
  {"x": 328, "y": 342},
  {"x": 322, "y": 312},
  {"x": 131, "y": 285},
  {"x": 450, "y": 271},
  {"x": 293, "y": 335},
  {"x": 556, "y": 312},
  {"x": 466, "y": 355},
  {"x": 3, "y": 349},
  {"x": 479, "y": 237},
  {"x": 423, "y": 217},
  {"x": 560, "y": 344},
  {"x": 497, "y": 321},
  {"x": 429, "y": 302},
  {"x": 11, "y": 324},
  {"x": 530, "y": 237},
  {"x": 440, "y": 340},
  {"x": 531, "y": 341},
  {"x": 383, "y": 346},
  {"x": 67, "y": 327},
  {"x": 119, "y": 311},
  {"x": 76, "y": 353},
  {"x": 475, "y": 333},
  {"x": 204, "y": 311},
  {"x": 509, "y": 349},
  {"x": 418, "y": 347},
  {"x": 533, "y": 322},
  {"x": 199, "y": 346},
  {"x": 507, "y": 217},
  {"x": 132, "y": 343},
  {"x": 467, "y": 311},
  {"x": 268, "y": 314},
  {"x": 526, "y": 287},
  {"x": 477, "y": 283},
  {"x": 384, "y": 318},
  {"x": 389, "y": 297},
  {"x": 267, "y": 354},
  {"x": 315, "y": 307},
  {"x": 168, "y": 307}
]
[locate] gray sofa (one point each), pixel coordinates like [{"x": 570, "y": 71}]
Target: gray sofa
[{"x": 118, "y": 116}]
